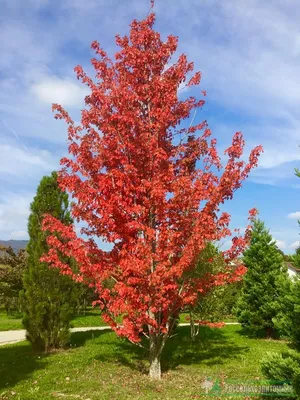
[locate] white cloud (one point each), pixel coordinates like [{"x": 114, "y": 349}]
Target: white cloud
[
  {"x": 281, "y": 244},
  {"x": 19, "y": 235},
  {"x": 294, "y": 215},
  {"x": 23, "y": 162},
  {"x": 282, "y": 174},
  {"x": 14, "y": 212},
  {"x": 62, "y": 91},
  {"x": 295, "y": 244},
  {"x": 245, "y": 68},
  {"x": 278, "y": 154}
]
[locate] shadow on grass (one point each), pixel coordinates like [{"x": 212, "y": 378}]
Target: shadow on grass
[
  {"x": 111, "y": 348},
  {"x": 211, "y": 347},
  {"x": 11, "y": 316},
  {"x": 18, "y": 362},
  {"x": 78, "y": 339},
  {"x": 258, "y": 334}
]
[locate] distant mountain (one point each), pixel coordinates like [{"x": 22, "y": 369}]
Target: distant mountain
[{"x": 15, "y": 244}]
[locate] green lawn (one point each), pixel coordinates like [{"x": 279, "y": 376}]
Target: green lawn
[
  {"x": 8, "y": 323},
  {"x": 100, "y": 366},
  {"x": 91, "y": 318}
]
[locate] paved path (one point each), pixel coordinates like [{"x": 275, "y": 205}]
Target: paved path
[{"x": 8, "y": 337}]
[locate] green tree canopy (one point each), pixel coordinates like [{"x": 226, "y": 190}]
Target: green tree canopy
[
  {"x": 214, "y": 305},
  {"x": 12, "y": 267}
]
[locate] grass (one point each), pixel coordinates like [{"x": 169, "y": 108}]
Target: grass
[
  {"x": 100, "y": 366},
  {"x": 14, "y": 322},
  {"x": 90, "y": 319},
  {"x": 11, "y": 322}
]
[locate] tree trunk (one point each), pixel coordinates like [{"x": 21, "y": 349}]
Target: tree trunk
[
  {"x": 270, "y": 332},
  {"x": 193, "y": 329},
  {"x": 154, "y": 357}
]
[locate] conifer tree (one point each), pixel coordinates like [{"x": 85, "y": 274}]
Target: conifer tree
[
  {"x": 264, "y": 283},
  {"x": 287, "y": 319},
  {"x": 48, "y": 298}
]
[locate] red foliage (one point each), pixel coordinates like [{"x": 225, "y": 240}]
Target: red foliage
[
  {"x": 133, "y": 176},
  {"x": 206, "y": 323},
  {"x": 211, "y": 324}
]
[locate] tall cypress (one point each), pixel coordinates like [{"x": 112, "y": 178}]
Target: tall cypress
[
  {"x": 48, "y": 298},
  {"x": 264, "y": 283}
]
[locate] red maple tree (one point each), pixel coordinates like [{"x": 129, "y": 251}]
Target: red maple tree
[{"x": 147, "y": 183}]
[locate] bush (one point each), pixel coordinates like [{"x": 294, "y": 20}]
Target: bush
[{"x": 283, "y": 367}]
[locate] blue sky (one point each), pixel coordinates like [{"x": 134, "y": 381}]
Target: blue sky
[{"x": 248, "y": 52}]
